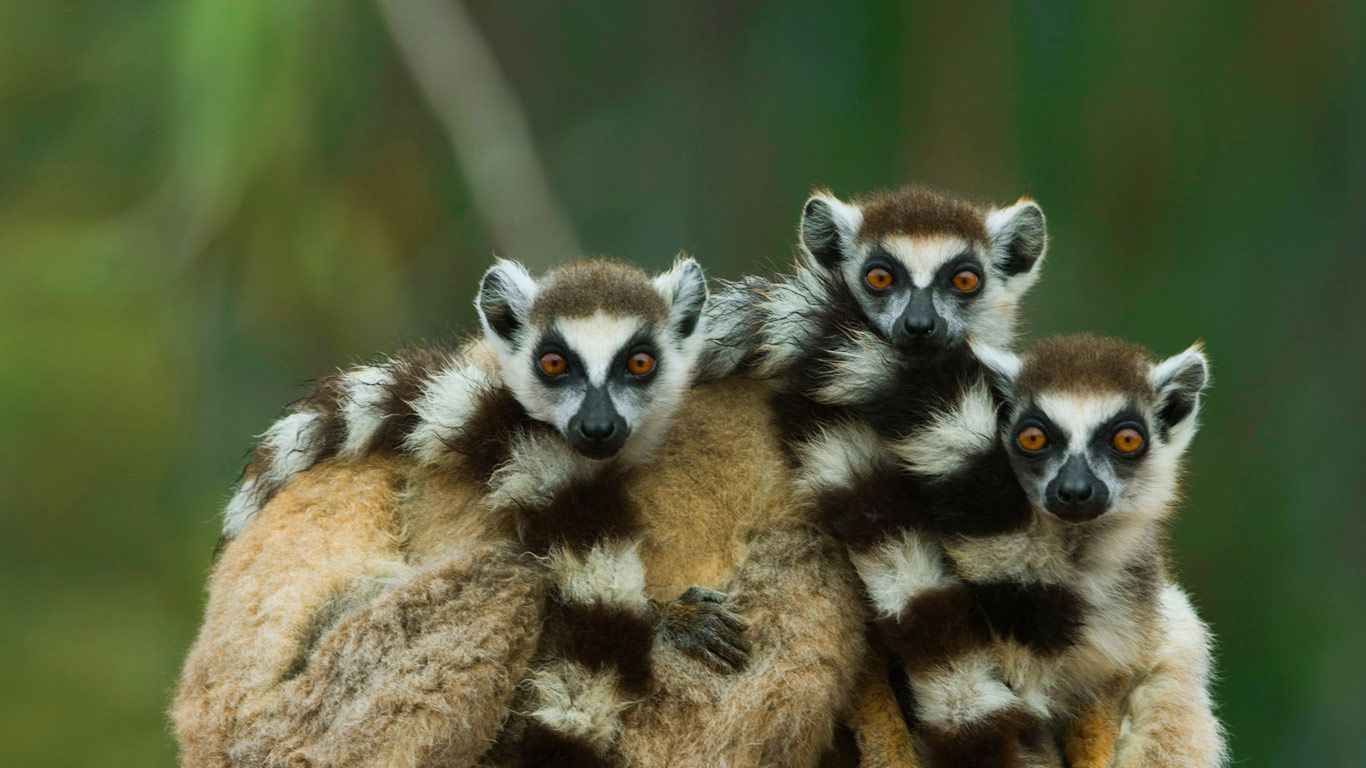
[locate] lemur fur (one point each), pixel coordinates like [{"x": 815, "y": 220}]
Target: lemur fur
[
  {"x": 870, "y": 345},
  {"x": 551, "y": 445},
  {"x": 897, "y": 446}
]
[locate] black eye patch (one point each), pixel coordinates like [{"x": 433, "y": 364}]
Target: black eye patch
[
  {"x": 643, "y": 341},
  {"x": 1033, "y": 417},
  {"x": 880, "y": 258},
  {"x": 553, "y": 343}
]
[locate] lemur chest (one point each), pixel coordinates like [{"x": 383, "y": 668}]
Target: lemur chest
[{"x": 1102, "y": 613}]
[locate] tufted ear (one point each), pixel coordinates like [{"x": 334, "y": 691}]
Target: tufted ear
[
  {"x": 827, "y": 229},
  {"x": 1019, "y": 238},
  {"x": 1179, "y": 381},
  {"x": 685, "y": 288},
  {"x": 505, "y": 294}
]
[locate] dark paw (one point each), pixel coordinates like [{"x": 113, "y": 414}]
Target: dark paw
[{"x": 698, "y": 624}]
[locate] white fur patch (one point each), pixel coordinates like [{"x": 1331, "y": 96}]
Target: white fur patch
[
  {"x": 953, "y": 437},
  {"x": 611, "y": 573},
  {"x": 242, "y": 507},
  {"x": 538, "y": 467},
  {"x": 837, "y": 456},
  {"x": 788, "y": 329},
  {"x": 365, "y": 390},
  {"x": 860, "y": 367},
  {"x": 575, "y": 701},
  {"x": 294, "y": 442},
  {"x": 962, "y": 692},
  {"x": 923, "y": 255},
  {"x": 899, "y": 569},
  {"x": 1079, "y": 414},
  {"x": 598, "y": 340},
  {"x": 444, "y": 409},
  {"x": 1003, "y": 363}
]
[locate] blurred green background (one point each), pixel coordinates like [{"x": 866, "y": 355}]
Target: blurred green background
[{"x": 203, "y": 204}]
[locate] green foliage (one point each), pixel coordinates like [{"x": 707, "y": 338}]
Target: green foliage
[{"x": 203, "y": 204}]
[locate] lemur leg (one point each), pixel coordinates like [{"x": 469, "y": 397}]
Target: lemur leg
[
  {"x": 1168, "y": 719},
  {"x": 1089, "y": 741},
  {"x": 420, "y": 661},
  {"x": 879, "y": 727}
]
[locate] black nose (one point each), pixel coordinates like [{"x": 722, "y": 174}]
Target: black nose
[
  {"x": 1075, "y": 491},
  {"x": 597, "y": 429},
  {"x": 1076, "y": 494},
  {"x": 919, "y": 325}
]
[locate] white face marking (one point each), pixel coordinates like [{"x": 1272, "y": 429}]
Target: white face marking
[
  {"x": 598, "y": 340},
  {"x": 923, "y": 256},
  {"x": 1079, "y": 414}
]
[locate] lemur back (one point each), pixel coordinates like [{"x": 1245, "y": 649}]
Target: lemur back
[{"x": 591, "y": 362}]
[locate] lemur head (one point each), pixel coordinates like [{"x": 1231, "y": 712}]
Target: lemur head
[
  {"x": 928, "y": 270},
  {"x": 1098, "y": 427},
  {"x": 596, "y": 348}
]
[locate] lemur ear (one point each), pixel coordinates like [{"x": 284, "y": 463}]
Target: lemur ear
[
  {"x": 828, "y": 228},
  {"x": 1019, "y": 237},
  {"x": 1003, "y": 366},
  {"x": 1179, "y": 381},
  {"x": 685, "y": 288},
  {"x": 505, "y": 294}
]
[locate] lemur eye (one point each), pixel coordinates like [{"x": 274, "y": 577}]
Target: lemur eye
[
  {"x": 641, "y": 363},
  {"x": 1127, "y": 441},
  {"x": 966, "y": 281},
  {"x": 1032, "y": 439},
  {"x": 878, "y": 279},
  {"x": 553, "y": 364}
]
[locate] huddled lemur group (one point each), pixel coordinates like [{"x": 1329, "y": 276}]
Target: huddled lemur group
[{"x": 1004, "y": 514}]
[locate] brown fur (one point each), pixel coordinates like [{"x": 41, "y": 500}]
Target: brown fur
[
  {"x": 437, "y": 653},
  {"x": 393, "y": 686},
  {"x": 1082, "y": 361},
  {"x": 919, "y": 211},
  {"x": 582, "y": 288},
  {"x": 879, "y": 727}
]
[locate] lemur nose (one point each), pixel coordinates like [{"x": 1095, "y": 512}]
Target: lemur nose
[
  {"x": 597, "y": 430},
  {"x": 1075, "y": 492},
  {"x": 919, "y": 325}
]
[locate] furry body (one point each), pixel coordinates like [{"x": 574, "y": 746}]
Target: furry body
[
  {"x": 1002, "y": 628},
  {"x": 515, "y": 481}
]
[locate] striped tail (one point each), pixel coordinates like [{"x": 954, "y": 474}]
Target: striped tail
[{"x": 430, "y": 404}]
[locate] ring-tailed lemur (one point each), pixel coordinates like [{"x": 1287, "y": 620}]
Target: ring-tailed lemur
[
  {"x": 871, "y": 345},
  {"x": 592, "y": 361},
  {"x": 878, "y": 343},
  {"x": 1008, "y": 636}
]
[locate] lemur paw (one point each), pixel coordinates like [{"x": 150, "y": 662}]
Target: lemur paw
[{"x": 698, "y": 624}]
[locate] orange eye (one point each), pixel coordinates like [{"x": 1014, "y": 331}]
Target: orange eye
[
  {"x": 966, "y": 281},
  {"x": 641, "y": 363},
  {"x": 553, "y": 364},
  {"x": 1032, "y": 439},
  {"x": 1127, "y": 441},
  {"x": 878, "y": 278}
]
